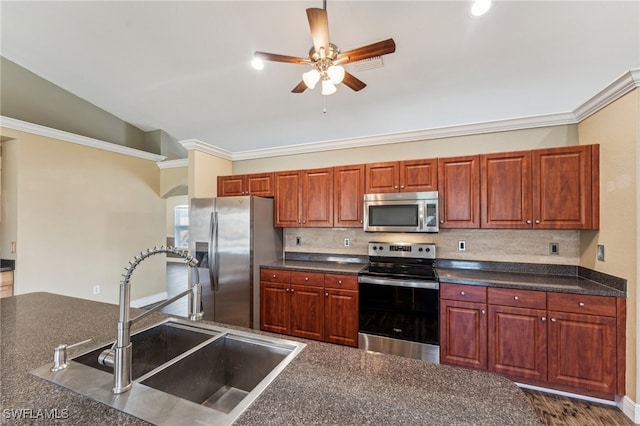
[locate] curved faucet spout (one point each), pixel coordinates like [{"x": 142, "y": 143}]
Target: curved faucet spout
[{"x": 119, "y": 356}]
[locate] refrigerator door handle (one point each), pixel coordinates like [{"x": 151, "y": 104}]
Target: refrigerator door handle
[{"x": 213, "y": 251}]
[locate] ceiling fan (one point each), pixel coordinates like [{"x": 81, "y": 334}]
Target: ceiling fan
[{"x": 326, "y": 59}]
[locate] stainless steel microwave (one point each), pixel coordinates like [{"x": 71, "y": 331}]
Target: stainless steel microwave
[{"x": 401, "y": 212}]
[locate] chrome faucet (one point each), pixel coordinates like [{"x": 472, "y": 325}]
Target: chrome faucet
[{"x": 119, "y": 355}]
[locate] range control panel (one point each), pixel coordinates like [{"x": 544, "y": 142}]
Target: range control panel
[{"x": 412, "y": 250}]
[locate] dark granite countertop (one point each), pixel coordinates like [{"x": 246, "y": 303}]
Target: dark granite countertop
[
  {"x": 325, "y": 384},
  {"x": 317, "y": 266},
  {"x": 555, "y": 278}
]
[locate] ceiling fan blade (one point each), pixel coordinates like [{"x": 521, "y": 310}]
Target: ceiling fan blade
[
  {"x": 301, "y": 87},
  {"x": 352, "y": 82},
  {"x": 319, "y": 25},
  {"x": 369, "y": 51},
  {"x": 280, "y": 58}
]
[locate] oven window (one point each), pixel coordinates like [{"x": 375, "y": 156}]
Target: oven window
[
  {"x": 394, "y": 215},
  {"x": 399, "y": 312}
]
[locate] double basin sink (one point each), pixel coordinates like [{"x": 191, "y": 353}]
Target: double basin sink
[{"x": 183, "y": 373}]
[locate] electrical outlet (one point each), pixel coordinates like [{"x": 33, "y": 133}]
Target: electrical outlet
[
  {"x": 96, "y": 289},
  {"x": 346, "y": 242},
  {"x": 600, "y": 251},
  {"x": 298, "y": 241},
  {"x": 554, "y": 248},
  {"x": 462, "y": 245}
]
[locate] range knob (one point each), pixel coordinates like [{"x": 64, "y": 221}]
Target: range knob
[{"x": 420, "y": 249}]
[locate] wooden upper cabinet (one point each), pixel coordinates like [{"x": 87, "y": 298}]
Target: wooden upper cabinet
[
  {"x": 259, "y": 184},
  {"x": 304, "y": 198},
  {"x": 348, "y": 192},
  {"x": 505, "y": 190},
  {"x": 565, "y": 184},
  {"x": 459, "y": 192},
  {"x": 287, "y": 199},
  {"x": 317, "y": 196},
  {"x": 402, "y": 176}
]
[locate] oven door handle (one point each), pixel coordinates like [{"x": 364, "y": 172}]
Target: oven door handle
[{"x": 431, "y": 285}]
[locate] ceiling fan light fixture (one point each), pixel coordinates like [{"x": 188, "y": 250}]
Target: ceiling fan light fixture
[
  {"x": 336, "y": 73},
  {"x": 257, "y": 63},
  {"x": 328, "y": 88},
  {"x": 311, "y": 78},
  {"x": 480, "y": 7}
]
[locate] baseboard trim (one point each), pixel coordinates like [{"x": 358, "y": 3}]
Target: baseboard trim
[
  {"x": 630, "y": 409},
  {"x": 149, "y": 300}
]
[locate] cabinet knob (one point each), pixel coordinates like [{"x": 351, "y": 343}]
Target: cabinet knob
[
  {"x": 553, "y": 320},
  {"x": 543, "y": 319},
  {"x": 401, "y": 186},
  {"x": 581, "y": 304},
  {"x": 273, "y": 276},
  {"x": 516, "y": 298},
  {"x": 326, "y": 294},
  {"x": 291, "y": 290},
  {"x": 537, "y": 221},
  {"x": 482, "y": 311},
  {"x": 442, "y": 221},
  {"x": 395, "y": 187},
  {"x": 306, "y": 278},
  {"x": 462, "y": 293},
  {"x": 529, "y": 222}
]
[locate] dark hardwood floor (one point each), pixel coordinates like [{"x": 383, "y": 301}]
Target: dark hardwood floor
[{"x": 553, "y": 410}]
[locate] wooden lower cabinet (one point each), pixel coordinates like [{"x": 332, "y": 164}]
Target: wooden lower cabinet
[
  {"x": 310, "y": 305},
  {"x": 570, "y": 342},
  {"x": 6, "y": 284}
]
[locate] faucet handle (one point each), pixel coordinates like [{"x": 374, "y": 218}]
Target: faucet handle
[{"x": 60, "y": 355}]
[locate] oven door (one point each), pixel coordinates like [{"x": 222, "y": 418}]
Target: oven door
[{"x": 399, "y": 309}]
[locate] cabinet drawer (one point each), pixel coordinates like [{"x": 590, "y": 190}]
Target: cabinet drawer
[
  {"x": 582, "y": 304},
  {"x": 469, "y": 293},
  {"x": 6, "y": 278},
  {"x": 347, "y": 282},
  {"x": 275, "y": 276},
  {"x": 6, "y": 291},
  {"x": 307, "y": 278},
  {"x": 515, "y": 297}
]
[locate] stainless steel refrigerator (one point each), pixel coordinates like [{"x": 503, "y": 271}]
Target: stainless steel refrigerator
[{"x": 231, "y": 237}]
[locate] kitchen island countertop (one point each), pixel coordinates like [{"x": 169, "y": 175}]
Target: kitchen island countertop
[{"x": 325, "y": 384}]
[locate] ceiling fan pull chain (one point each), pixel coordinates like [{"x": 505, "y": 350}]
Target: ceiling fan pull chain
[{"x": 324, "y": 104}]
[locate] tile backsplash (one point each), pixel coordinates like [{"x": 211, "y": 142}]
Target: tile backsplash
[{"x": 529, "y": 246}]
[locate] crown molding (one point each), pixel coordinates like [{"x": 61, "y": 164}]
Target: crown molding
[
  {"x": 198, "y": 145},
  {"x": 36, "y": 129},
  {"x": 173, "y": 164},
  {"x": 413, "y": 136},
  {"x": 615, "y": 90}
]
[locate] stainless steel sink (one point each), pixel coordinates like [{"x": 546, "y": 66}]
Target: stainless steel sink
[
  {"x": 184, "y": 373},
  {"x": 153, "y": 347}
]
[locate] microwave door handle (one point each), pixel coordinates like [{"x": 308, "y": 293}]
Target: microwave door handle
[{"x": 421, "y": 213}]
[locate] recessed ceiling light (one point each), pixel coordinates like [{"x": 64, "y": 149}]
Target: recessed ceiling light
[
  {"x": 480, "y": 7},
  {"x": 257, "y": 63}
]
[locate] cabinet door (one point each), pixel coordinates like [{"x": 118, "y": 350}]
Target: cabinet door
[
  {"x": 229, "y": 186},
  {"x": 463, "y": 333},
  {"x": 274, "y": 307},
  {"x": 307, "y": 312},
  {"x": 505, "y": 190},
  {"x": 518, "y": 342},
  {"x": 459, "y": 192},
  {"x": 341, "y": 317},
  {"x": 562, "y": 188},
  {"x": 582, "y": 351},
  {"x": 418, "y": 175},
  {"x": 317, "y": 195},
  {"x": 381, "y": 177},
  {"x": 348, "y": 193},
  {"x": 260, "y": 184},
  {"x": 287, "y": 199}
]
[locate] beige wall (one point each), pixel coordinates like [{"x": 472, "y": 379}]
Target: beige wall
[
  {"x": 204, "y": 170},
  {"x": 617, "y": 129},
  {"x": 174, "y": 181},
  {"x": 82, "y": 214},
  {"x": 543, "y": 137},
  {"x": 172, "y": 203},
  {"x": 8, "y": 199}
]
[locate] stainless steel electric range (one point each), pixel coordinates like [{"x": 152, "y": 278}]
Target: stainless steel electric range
[{"x": 399, "y": 298}]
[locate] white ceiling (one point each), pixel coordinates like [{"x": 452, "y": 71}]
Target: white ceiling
[{"x": 184, "y": 67}]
